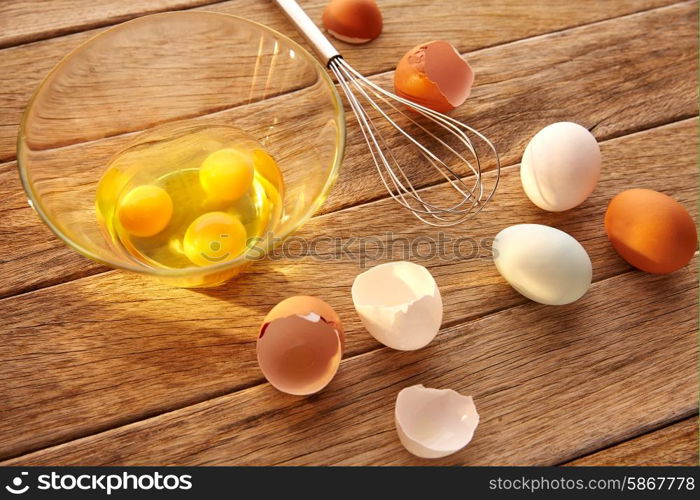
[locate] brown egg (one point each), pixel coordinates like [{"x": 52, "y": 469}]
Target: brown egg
[
  {"x": 300, "y": 345},
  {"x": 353, "y": 21},
  {"x": 434, "y": 75},
  {"x": 651, "y": 230}
]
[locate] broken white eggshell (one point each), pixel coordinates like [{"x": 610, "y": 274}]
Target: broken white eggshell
[
  {"x": 434, "y": 423},
  {"x": 399, "y": 303}
]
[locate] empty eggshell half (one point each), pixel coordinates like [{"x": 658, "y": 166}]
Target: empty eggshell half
[
  {"x": 300, "y": 345},
  {"x": 399, "y": 303},
  {"x": 434, "y": 75},
  {"x": 434, "y": 423}
]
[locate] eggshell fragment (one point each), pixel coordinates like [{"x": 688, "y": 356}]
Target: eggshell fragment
[
  {"x": 399, "y": 303},
  {"x": 353, "y": 21},
  {"x": 434, "y": 75},
  {"x": 543, "y": 263},
  {"x": 300, "y": 345},
  {"x": 560, "y": 166},
  {"x": 434, "y": 423},
  {"x": 650, "y": 230},
  {"x": 304, "y": 305}
]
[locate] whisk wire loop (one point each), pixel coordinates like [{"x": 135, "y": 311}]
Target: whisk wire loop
[
  {"x": 365, "y": 97},
  {"x": 375, "y": 107}
]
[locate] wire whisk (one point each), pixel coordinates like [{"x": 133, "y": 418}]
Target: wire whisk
[{"x": 375, "y": 108}]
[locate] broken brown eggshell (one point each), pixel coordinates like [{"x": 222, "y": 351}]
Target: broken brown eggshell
[
  {"x": 434, "y": 75},
  {"x": 300, "y": 345}
]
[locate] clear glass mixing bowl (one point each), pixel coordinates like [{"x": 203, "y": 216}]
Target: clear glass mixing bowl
[{"x": 188, "y": 68}]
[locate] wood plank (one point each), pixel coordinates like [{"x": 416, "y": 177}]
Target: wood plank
[
  {"x": 549, "y": 383},
  {"x": 23, "y": 21},
  {"x": 637, "y": 48},
  {"x": 25, "y": 66},
  {"x": 69, "y": 188},
  {"x": 120, "y": 348},
  {"x": 603, "y": 76},
  {"x": 674, "y": 445},
  {"x": 30, "y": 254}
]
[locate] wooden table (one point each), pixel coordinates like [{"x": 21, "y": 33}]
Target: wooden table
[{"x": 102, "y": 367}]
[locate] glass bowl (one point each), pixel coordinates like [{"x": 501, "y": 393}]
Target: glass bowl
[{"x": 170, "y": 70}]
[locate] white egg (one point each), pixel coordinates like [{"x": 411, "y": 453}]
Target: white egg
[
  {"x": 543, "y": 263},
  {"x": 399, "y": 303},
  {"x": 560, "y": 166},
  {"x": 434, "y": 423}
]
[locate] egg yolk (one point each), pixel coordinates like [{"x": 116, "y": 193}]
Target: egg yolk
[
  {"x": 145, "y": 210},
  {"x": 264, "y": 163},
  {"x": 214, "y": 237},
  {"x": 226, "y": 174}
]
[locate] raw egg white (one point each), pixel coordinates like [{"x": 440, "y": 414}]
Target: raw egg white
[
  {"x": 300, "y": 344},
  {"x": 353, "y": 21},
  {"x": 434, "y": 423},
  {"x": 651, "y": 231},
  {"x": 543, "y": 263},
  {"x": 434, "y": 75},
  {"x": 399, "y": 303},
  {"x": 560, "y": 166}
]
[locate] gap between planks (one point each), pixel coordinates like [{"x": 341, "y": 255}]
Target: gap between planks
[
  {"x": 250, "y": 387},
  {"x": 450, "y": 339},
  {"x": 88, "y": 25},
  {"x": 320, "y": 215},
  {"x": 382, "y": 70},
  {"x": 690, "y": 420},
  {"x": 664, "y": 140},
  {"x": 205, "y": 4},
  {"x": 511, "y": 145}
]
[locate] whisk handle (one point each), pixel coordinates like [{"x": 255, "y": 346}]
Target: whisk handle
[{"x": 324, "y": 48}]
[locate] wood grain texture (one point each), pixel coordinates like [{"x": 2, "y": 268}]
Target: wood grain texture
[
  {"x": 605, "y": 77},
  {"x": 140, "y": 373},
  {"x": 643, "y": 74},
  {"x": 30, "y": 254},
  {"x": 675, "y": 445},
  {"x": 120, "y": 348},
  {"x": 23, "y": 21},
  {"x": 25, "y": 66},
  {"x": 549, "y": 384}
]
